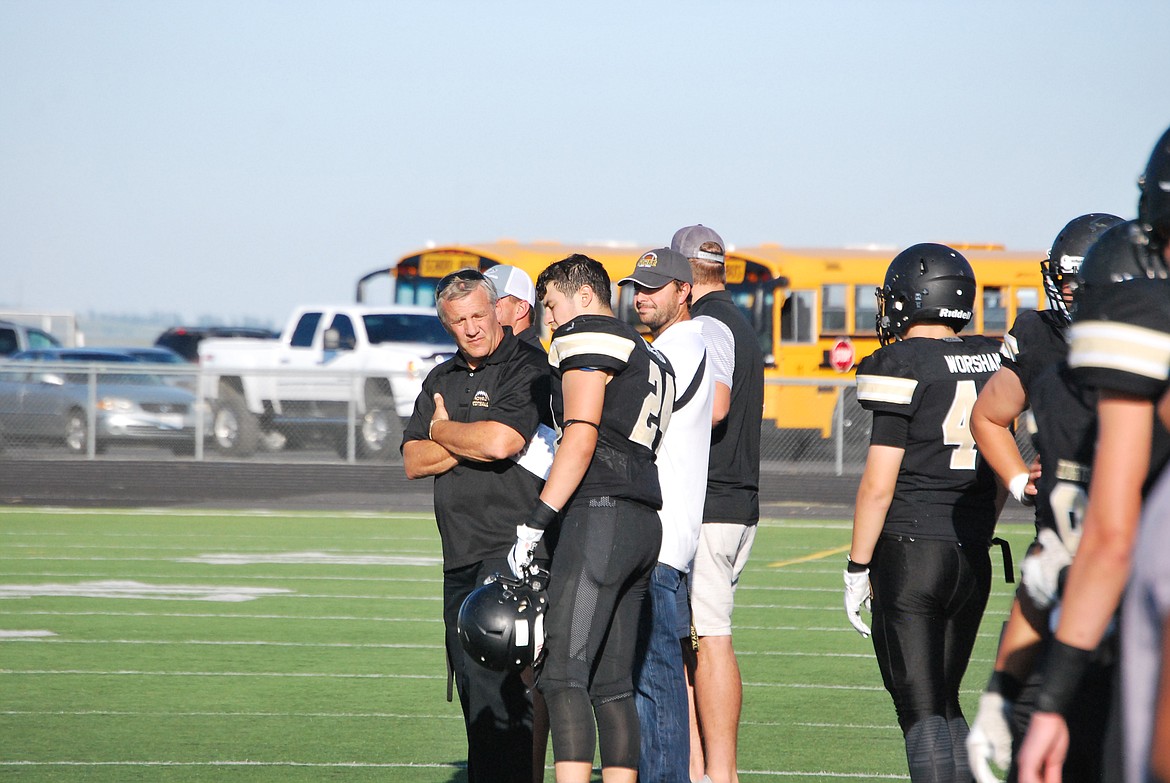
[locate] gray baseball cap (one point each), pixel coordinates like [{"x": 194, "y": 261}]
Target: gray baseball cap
[
  {"x": 658, "y": 267},
  {"x": 689, "y": 240}
]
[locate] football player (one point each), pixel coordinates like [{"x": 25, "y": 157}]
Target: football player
[
  {"x": 612, "y": 400},
  {"x": 926, "y": 505},
  {"x": 1035, "y": 344},
  {"x": 1120, "y": 345}
]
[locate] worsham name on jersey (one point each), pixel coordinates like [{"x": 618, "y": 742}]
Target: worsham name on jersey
[{"x": 978, "y": 363}]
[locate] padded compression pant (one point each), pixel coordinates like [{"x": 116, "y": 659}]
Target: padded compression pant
[
  {"x": 607, "y": 550},
  {"x": 928, "y": 600}
]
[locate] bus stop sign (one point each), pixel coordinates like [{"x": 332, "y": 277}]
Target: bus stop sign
[{"x": 842, "y": 356}]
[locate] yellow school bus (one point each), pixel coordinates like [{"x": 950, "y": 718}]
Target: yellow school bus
[
  {"x": 825, "y": 320},
  {"x": 811, "y": 309}
]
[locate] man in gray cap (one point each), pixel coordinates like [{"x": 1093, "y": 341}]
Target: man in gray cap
[
  {"x": 662, "y": 290},
  {"x": 729, "y": 517},
  {"x": 517, "y": 301}
]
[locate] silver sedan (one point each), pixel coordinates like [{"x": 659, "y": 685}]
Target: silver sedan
[{"x": 70, "y": 395}]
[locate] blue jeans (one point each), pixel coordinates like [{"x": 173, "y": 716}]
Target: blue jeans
[{"x": 660, "y": 690}]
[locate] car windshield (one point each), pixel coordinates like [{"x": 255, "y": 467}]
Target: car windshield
[{"x": 406, "y": 327}]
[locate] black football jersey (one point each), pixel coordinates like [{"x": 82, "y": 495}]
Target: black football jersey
[
  {"x": 1120, "y": 342},
  {"x": 1036, "y": 342},
  {"x": 638, "y": 402},
  {"x": 927, "y": 387},
  {"x": 1066, "y": 423}
]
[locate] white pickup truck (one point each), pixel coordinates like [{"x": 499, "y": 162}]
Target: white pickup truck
[{"x": 335, "y": 370}]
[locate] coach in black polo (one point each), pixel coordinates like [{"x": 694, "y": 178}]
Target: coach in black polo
[{"x": 476, "y": 413}]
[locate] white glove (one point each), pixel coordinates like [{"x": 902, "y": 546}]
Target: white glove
[
  {"x": 990, "y": 739},
  {"x": 1041, "y": 569},
  {"x": 1017, "y": 487},
  {"x": 522, "y": 551},
  {"x": 857, "y": 593}
]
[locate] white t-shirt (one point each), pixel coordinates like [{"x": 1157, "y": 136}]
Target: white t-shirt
[
  {"x": 720, "y": 348},
  {"x": 686, "y": 446}
]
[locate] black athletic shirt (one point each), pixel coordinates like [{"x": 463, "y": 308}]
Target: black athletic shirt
[
  {"x": 733, "y": 477},
  {"x": 479, "y": 504},
  {"x": 638, "y": 400},
  {"x": 1035, "y": 343},
  {"x": 1121, "y": 343},
  {"x": 1066, "y": 428},
  {"x": 921, "y": 392}
]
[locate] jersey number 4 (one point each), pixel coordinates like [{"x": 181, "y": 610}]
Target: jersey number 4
[{"x": 956, "y": 427}]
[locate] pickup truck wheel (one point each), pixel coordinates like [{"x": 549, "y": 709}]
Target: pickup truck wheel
[
  {"x": 379, "y": 432},
  {"x": 233, "y": 427}
]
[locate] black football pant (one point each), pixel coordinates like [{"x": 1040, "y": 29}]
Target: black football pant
[
  {"x": 600, "y": 575},
  {"x": 928, "y": 600},
  {"x": 497, "y": 706}
]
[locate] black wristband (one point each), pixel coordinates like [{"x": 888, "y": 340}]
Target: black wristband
[
  {"x": 855, "y": 568},
  {"x": 1064, "y": 668},
  {"x": 542, "y": 516},
  {"x": 1005, "y": 685}
]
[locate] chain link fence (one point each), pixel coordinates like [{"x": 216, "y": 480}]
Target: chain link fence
[{"x": 96, "y": 411}]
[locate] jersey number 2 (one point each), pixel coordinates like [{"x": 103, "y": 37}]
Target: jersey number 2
[
  {"x": 957, "y": 427},
  {"x": 656, "y": 409}
]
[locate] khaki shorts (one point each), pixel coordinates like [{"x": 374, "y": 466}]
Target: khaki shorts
[{"x": 720, "y": 559}]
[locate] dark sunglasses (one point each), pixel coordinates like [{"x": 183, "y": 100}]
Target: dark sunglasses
[{"x": 461, "y": 274}]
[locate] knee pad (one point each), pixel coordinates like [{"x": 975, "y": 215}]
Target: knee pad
[
  {"x": 570, "y": 716},
  {"x": 618, "y": 731}
]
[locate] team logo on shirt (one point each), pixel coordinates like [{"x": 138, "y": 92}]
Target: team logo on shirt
[{"x": 481, "y": 400}]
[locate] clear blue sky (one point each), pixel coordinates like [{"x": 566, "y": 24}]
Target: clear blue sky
[{"x": 241, "y": 158}]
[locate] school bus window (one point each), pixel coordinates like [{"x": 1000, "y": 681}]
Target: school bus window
[
  {"x": 1027, "y": 299},
  {"x": 864, "y": 309},
  {"x": 995, "y": 314},
  {"x": 833, "y": 305},
  {"x": 796, "y": 317}
]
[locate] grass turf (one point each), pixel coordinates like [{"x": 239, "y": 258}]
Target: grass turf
[{"x": 173, "y": 646}]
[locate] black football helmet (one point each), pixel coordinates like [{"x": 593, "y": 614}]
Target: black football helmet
[
  {"x": 1066, "y": 254},
  {"x": 501, "y": 624},
  {"x": 1154, "y": 202},
  {"x": 1121, "y": 253},
  {"x": 926, "y": 282}
]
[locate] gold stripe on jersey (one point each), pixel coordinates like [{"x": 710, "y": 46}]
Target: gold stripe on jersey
[
  {"x": 885, "y": 388},
  {"x": 1118, "y": 346},
  {"x": 589, "y": 342},
  {"x": 1011, "y": 347}
]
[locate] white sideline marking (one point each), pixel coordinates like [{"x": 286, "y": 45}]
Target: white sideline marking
[
  {"x": 295, "y": 675},
  {"x": 393, "y": 765},
  {"x": 233, "y": 616},
  {"x": 115, "y": 588},
  {"x": 265, "y": 577},
  {"x": 32, "y": 635},
  {"x": 868, "y": 726},
  {"x": 310, "y": 558},
  {"x": 224, "y": 714},
  {"x": 198, "y": 642},
  {"x": 213, "y": 513}
]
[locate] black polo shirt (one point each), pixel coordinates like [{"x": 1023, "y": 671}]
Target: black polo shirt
[
  {"x": 733, "y": 479},
  {"x": 479, "y": 504}
]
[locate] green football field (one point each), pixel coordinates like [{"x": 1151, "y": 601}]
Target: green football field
[{"x": 191, "y": 646}]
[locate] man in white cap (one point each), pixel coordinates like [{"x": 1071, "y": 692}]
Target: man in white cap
[
  {"x": 662, "y": 290},
  {"x": 730, "y": 515},
  {"x": 517, "y": 301}
]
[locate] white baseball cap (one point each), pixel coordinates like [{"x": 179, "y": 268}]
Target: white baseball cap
[{"x": 510, "y": 281}]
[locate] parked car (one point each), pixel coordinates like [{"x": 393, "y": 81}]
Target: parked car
[
  {"x": 184, "y": 340},
  {"x": 172, "y": 367},
  {"x": 16, "y": 337},
  {"x": 45, "y": 395}
]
